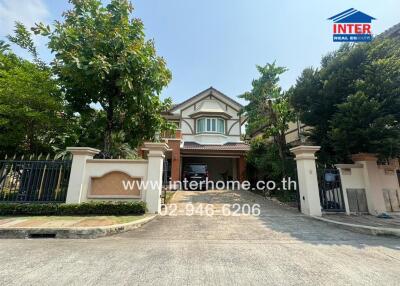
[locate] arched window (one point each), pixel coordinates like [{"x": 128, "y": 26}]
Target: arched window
[{"x": 210, "y": 125}]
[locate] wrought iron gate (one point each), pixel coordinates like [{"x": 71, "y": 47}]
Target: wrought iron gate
[
  {"x": 165, "y": 180},
  {"x": 298, "y": 199},
  {"x": 34, "y": 181},
  {"x": 398, "y": 175},
  {"x": 330, "y": 188}
]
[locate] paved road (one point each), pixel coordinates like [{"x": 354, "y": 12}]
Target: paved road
[{"x": 280, "y": 247}]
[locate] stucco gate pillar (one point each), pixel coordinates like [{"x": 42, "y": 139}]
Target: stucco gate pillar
[
  {"x": 78, "y": 169},
  {"x": 373, "y": 185},
  {"x": 154, "y": 175},
  {"x": 307, "y": 179}
]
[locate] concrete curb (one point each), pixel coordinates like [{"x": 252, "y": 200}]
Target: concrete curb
[
  {"x": 72, "y": 232},
  {"x": 372, "y": 230}
]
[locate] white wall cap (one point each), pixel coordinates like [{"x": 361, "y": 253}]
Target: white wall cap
[
  {"x": 305, "y": 149},
  {"x": 155, "y": 146},
  {"x": 88, "y": 151}
]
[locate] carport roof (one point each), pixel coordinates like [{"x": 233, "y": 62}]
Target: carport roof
[{"x": 230, "y": 146}]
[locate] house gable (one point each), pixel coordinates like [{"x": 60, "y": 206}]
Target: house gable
[
  {"x": 210, "y": 93},
  {"x": 218, "y": 115}
]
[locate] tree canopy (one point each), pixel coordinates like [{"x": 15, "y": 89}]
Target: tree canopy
[
  {"x": 31, "y": 107},
  {"x": 102, "y": 89},
  {"x": 102, "y": 58},
  {"x": 352, "y": 101},
  {"x": 268, "y": 109}
]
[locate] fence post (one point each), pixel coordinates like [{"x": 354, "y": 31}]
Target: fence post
[
  {"x": 78, "y": 168},
  {"x": 308, "y": 180},
  {"x": 373, "y": 185},
  {"x": 154, "y": 175}
]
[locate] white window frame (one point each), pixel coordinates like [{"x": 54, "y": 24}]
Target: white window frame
[{"x": 211, "y": 122}]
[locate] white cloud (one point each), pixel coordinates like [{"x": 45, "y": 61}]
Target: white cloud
[{"x": 28, "y": 12}]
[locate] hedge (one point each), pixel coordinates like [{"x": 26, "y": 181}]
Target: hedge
[{"x": 92, "y": 208}]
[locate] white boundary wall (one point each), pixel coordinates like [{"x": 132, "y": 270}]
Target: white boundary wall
[
  {"x": 366, "y": 174},
  {"x": 84, "y": 168}
]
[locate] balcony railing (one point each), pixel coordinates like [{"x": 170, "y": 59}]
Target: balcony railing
[{"x": 176, "y": 134}]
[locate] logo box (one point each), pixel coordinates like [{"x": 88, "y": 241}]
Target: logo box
[{"x": 352, "y": 26}]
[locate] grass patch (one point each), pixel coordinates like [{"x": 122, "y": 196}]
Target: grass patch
[
  {"x": 168, "y": 196},
  {"x": 284, "y": 196}
]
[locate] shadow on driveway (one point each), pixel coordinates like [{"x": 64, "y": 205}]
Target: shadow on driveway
[{"x": 275, "y": 223}]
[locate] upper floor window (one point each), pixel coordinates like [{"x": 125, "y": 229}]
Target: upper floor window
[{"x": 210, "y": 125}]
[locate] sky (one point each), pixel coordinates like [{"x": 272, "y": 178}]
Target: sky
[{"x": 219, "y": 42}]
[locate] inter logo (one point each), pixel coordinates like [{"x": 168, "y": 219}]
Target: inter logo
[{"x": 352, "y": 26}]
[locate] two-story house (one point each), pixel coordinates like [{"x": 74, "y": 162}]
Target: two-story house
[{"x": 208, "y": 132}]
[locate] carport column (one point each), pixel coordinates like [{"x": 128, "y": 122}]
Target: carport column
[
  {"x": 154, "y": 175},
  {"x": 175, "y": 146},
  {"x": 78, "y": 169},
  {"x": 308, "y": 181},
  {"x": 242, "y": 168}
]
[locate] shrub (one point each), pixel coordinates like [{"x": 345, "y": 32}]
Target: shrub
[
  {"x": 91, "y": 208},
  {"x": 264, "y": 163}
]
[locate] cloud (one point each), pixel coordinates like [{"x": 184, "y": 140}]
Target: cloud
[{"x": 28, "y": 12}]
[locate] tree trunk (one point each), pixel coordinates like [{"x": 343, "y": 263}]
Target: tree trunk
[
  {"x": 109, "y": 127},
  {"x": 31, "y": 138},
  {"x": 280, "y": 140}
]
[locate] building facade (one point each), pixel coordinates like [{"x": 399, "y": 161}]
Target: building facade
[{"x": 208, "y": 132}]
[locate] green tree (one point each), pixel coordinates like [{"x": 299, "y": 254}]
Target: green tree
[
  {"x": 87, "y": 130},
  {"x": 102, "y": 57},
  {"x": 264, "y": 156},
  {"x": 364, "y": 78},
  {"x": 361, "y": 119},
  {"x": 264, "y": 163},
  {"x": 23, "y": 38},
  {"x": 31, "y": 107},
  {"x": 268, "y": 110},
  {"x": 4, "y": 47}
]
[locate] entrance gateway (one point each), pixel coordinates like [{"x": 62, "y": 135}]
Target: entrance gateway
[{"x": 330, "y": 189}]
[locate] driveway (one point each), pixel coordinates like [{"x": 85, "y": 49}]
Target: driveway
[{"x": 279, "y": 247}]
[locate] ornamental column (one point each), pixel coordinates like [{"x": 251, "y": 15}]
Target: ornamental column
[
  {"x": 307, "y": 179},
  {"x": 78, "y": 169},
  {"x": 155, "y": 159}
]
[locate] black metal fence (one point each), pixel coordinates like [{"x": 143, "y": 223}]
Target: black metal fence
[
  {"x": 398, "y": 175},
  {"x": 38, "y": 180},
  {"x": 298, "y": 199},
  {"x": 330, "y": 188},
  {"x": 165, "y": 180}
]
